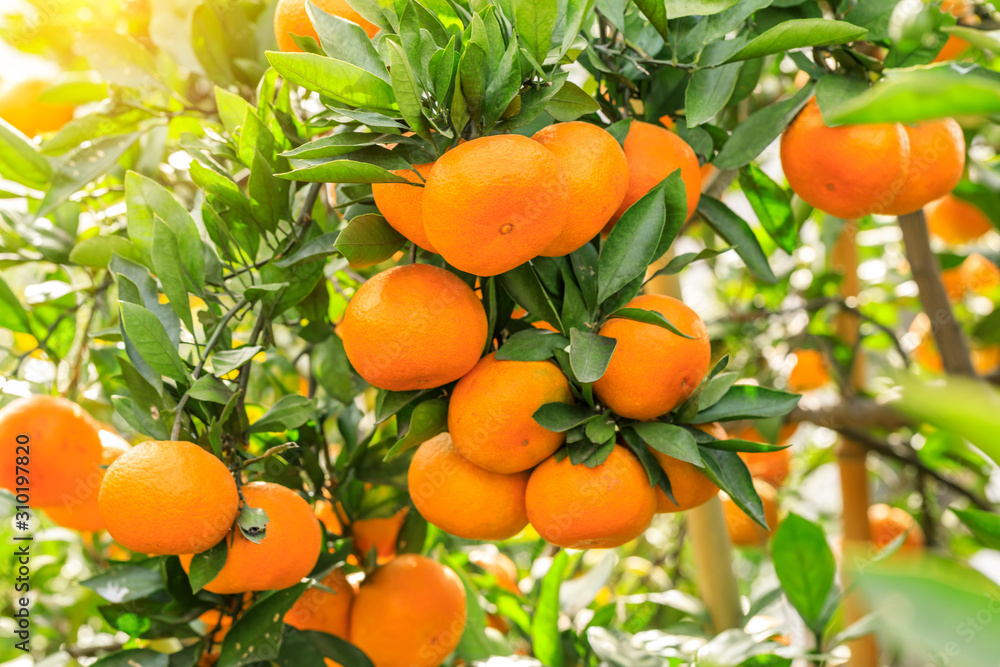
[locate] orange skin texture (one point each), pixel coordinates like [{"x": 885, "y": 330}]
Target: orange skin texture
[
  {"x": 598, "y": 178},
  {"x": 490, "y": 413},
  {"x": 744, "y": 531},
  {"x": 653, "y": 153},
  {"x": 379, "y": 534},
  {"x": 499, "y": 565},
  {"x": 955, "y": 220},
  {"x": 887, "y": 523},
  {"x": 410, "y": 613},
  {"x": 953, "y": 49},
  {"x": 326, "y": 612},
  {"x": 653, "y": 370},
  {"x": 168, "y": 498},
  {"x": 577, "y": 507},
  {"x": 979, "y": 274},
  {"x": 493, "y": 203},
  {"x": 937, "y": 160},
  {"x": 954, "y": 284},
  {"x": 810, "y": 371},
  {"x": 290, "y": 18},
  {"x": 689, "y": 486},
  {"x": 847, "y": 171},
  {"x": 414, "y": 327},
  {"x": 402, "y": 207},
  {"x": 463, "y": 499},
  {"x": 63, "y": 444},
  {"x": 83, "y": 513},
  {"x": 20, "y": 107},
  {"x": 287, "y": 553}
]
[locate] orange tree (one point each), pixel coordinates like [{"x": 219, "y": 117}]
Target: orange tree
[{"x": 410, "y": 283}]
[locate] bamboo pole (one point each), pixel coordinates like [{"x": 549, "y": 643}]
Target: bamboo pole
[{"x": 851, "y": 457}]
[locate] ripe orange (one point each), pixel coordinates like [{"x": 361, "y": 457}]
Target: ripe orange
[
  {"x": 744, "y": 531},
  {"x": 290, "y": 18},
  {"x": 288, "y": 552},
  {"x": 463, "y": 499},
  {"x": 401, "y": 205},
  {"x": 954, "y": 285},
  {"x": 20, "y": 107},
  {"x": 326, "y": 612},
  {"x": 887, "y": 523},
  {"x": 493, "y": 203},
  {"x": 937, "y": 159},
  {"x": 55, "y": 443},
  {"x": 653, "y": 153},
  {"x": 979, "y": 274},
  {"x": 497, "y": 564},
  {"x": 772, "y": 467},
  {"x": 955, "y": 220},
  {"x": 410, "y": 613},
  {"x": 689, "y": 486},
  {"x": 847, "y": 171},
  {"x": 168, "y": 498},
  {"x": 81, "y": 512},
  {"x": 809, "y": 372},
  {"x": 414, "y": 327},
  {"x": 653, "y": 370},
  {"x": 598, "y": 177},
  {"x": 577, "y": 507},
  {"x": 378, "y": 533},
  {"x": 490, "y": 413}
]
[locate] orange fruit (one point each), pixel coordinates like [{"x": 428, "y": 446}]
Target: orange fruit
[
  {"x": 954, "y": 284},
  {"x": 410, "y": 613},
  {"x": 217, "y": 624},
  {"x": 653, "y": 153},
  {"x": 653, "y": 370},
  {"x": 848, "y": 171},
  {"x": 809, "y": 372},
  {"x": 290, "y": 18},
  {"x": 490, "y": 413},
  {"x": 497, "y": 564},
  {"x": 82, "y": 513},
  {"x": 598, "y": 177},
  {"x": 979, "y": 274},
  {"x": 937, "y": 159},
  {"x": 401, "y": 205},
  {"x": 689, "y": 486},
  {"x": 414, "y": 327},
  {"x": 57, "y": 446},
  {"x": 326, "y": 612},
  {"x": 772, "y": 467},
  {"x": 887, "y": 523},
  {"x": 955, "y": 220},
  {"x": 288, "y": 552},
  {"x": 986, "y": 359},
  {"x": 463, "y": 499},
  {"x": 953, "y": 49},
  {"x": 168, "y": 498},
  {"x": 378, "y": 533},
  {"x": 744, "y": 531},
  {"x": 577, "y": 507},
  {"x": 493, "y": 203},
  {"x": 20, "y": 107}
]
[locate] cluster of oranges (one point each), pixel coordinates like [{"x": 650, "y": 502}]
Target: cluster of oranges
[{"x": 887, "y": 168}]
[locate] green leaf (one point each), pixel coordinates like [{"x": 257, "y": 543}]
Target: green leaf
[
  {"x": 708, "y": 92},
  {"x": 670, "y": 440},
  {"x": 429, "y": 419},
  {"x": 545, "y": 637},
  {"x": 309, "y": 647},
  {"x": 96, "y": 251},
  {"x": 82, "y": 165},
  {"x": 985, "y": 40},
  {"x": 134, "y": 656},
  {"x": 649, "y": 317},
  {"x": 119, "y": 59},
  {"x": 257, "y": 635},
  {"x": 874, "y": 16},
  {"x": 833, "y": 90},
  {"x": 13, "y": 316},
  {"x": 760, "y": 129},
  {"x": 368, "y": 240},
  {"x": 805, "y": 567},
  {"x": 535, "y": 21},
  {"x": 680, "y": 8},
  {"x": 151, "y": 341},
  {"x": 796, "y": 34},
  {"x": 772, "y": 205},
  {"x": 335, "y": 145},
  {"x": 681, "y": 262},
  {"x": 744, "y": 401},
  {"x": 570, "y": 103},
  {"x": 344, "y": 171},
  {"x": 728, "y": 471},
  {"x": 736, "y": 232},
  {"x": 290, "y": 411},
  {"x": 503, "y": 86},
  {"x": 984, "y": 525},
  {"x": 167, "y": 264},
  {"x": 346, "y": 41},
  {"x": 590, "y": 354},
  {"x": 20, "y": 160},
  {"x": 124, "y": 582},
  {"x": 340, "y": 81},
  {"x": 524, "y": 286},
  {"x": 561, "y": 417},
  {"x": 715, "y": 389},
  {"x": 333, "y": 371},
  {"x": 655, "y": 12},
  {"x": 205, "y": 566},
  {"x": 209, "y": 41},
  {"x": 531, "y": 345},
  {"x": 268, "y": 195},
  {"x": 211, "y": 389},
  {"x": 472, "y": 70},
  {"x": 407, "y": 90},
  {"x": 388, "y": 403}
]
